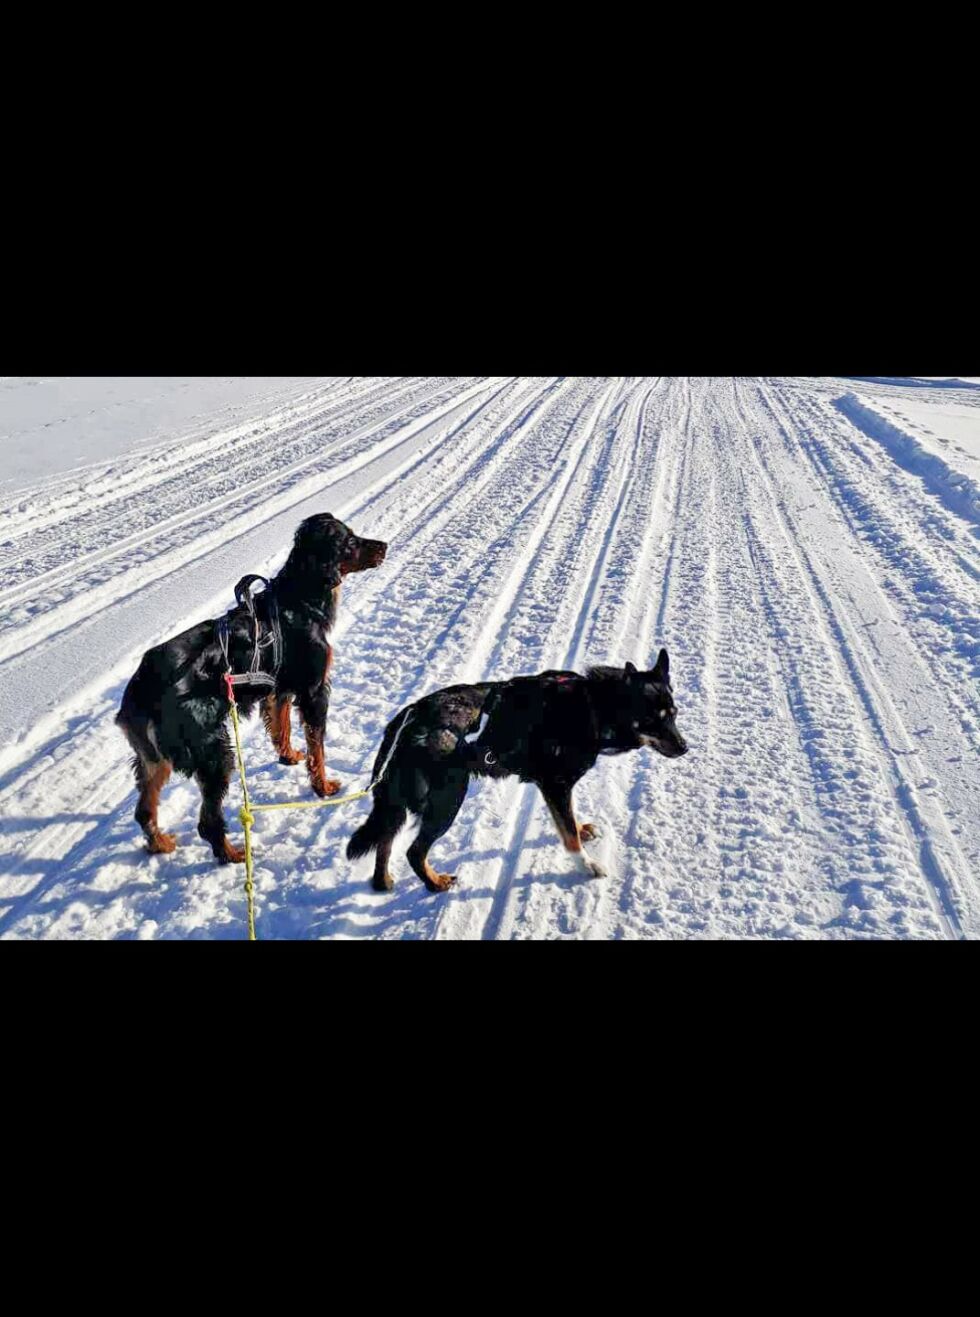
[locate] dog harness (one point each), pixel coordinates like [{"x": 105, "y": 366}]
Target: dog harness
[
  {"x": 261, "y": 644},
  {"x": 472, "y": 738}
]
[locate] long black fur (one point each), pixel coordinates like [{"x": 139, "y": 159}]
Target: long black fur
[
  {"x": 547, "y": 729},
  {"x": 174, "y": 710}
]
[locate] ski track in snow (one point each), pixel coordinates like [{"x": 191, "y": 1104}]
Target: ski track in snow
[{"x": 816, "y": 583}]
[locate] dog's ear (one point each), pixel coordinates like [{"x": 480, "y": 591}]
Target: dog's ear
[
  {"x": 661, "y": 670},
  {"x": 315, "y": 551},
  {"x": 305, "y": 534},
  {"x": 630, "y": 669}
]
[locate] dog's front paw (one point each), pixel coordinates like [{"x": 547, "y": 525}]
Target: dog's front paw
[
  {"x": 326, "y": 787},
  {"x": 589, "y": 832},
  {"x": 229, "y": 854},
  {"x": 440, "y": 882},
  {"x": 292, "y": 757},
  {"x": 162, "y": 843}
]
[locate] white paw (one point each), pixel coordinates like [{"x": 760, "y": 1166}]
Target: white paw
[{"x": 593, "y": 866}]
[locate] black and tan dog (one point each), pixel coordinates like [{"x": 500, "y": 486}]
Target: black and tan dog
[
  {"x": 549, "y": 729},
  {"x": 174, "y": 709}
]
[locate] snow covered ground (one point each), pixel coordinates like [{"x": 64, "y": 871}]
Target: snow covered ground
[
  {"x": 50, "y": 425},
  {"x": 807, "y": 549}
]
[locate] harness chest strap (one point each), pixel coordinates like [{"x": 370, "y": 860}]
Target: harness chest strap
[{"x": 255, "y": 676}]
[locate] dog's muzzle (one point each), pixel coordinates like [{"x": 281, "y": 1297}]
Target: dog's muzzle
[{"x": 672, "y": 749}]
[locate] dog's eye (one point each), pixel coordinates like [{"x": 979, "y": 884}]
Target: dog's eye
[{"x": 664, "y": 712}]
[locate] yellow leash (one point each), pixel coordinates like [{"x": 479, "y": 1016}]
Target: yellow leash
[
  {"x": 247, "y": 818},
  {"x": 318, "y": 804},
  {"x": 248, "y": 810}
]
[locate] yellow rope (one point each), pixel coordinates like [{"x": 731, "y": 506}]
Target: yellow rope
[
  {"x": 247, "y": 818},
  {"x": 316, "y": 804}
]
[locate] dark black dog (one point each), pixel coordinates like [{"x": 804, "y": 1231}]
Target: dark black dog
[
  {"x": 548, "y": 729},
  {"x": 174, "y": 710}
]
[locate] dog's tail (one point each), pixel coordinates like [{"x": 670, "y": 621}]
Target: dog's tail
[
  {"x": 390, "y": 808},
  {"x": 136, "y": 724},
  {"x": 384, "y": 821}
]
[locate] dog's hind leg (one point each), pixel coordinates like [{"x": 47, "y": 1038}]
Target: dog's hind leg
[
  {"x": 275, "y": 714},
  {"x": 442, "y": 804},
  {"x": 151, "y": 778},
  {"x": 151, "y": 770},
  {"x": 377, "y": 833},
  {"x": 213, "y": 776},
  {"x": 382, "y": 880},
  {"x": 558, "y": 798},
  {"x": 379, "y": 829}
]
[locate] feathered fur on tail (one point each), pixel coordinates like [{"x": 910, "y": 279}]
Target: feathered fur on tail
[
  {"x": 368, "y": 836},
  {"x": 388, "y": 813}
]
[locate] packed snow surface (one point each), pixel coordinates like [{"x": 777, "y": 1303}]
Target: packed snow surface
[
  {"x": 807, "y": 549},
  {"x": 57, "y": 424}
]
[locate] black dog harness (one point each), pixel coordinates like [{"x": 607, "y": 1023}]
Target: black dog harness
[
  {"x": 261, "y": 644},
  {"x": 470, "y": 740}
]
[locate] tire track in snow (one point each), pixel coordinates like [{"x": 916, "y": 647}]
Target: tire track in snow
[
  {"x": 864, "y": 853},
  {"x": 944, "y": 872},
  {"x": 636, "y": 626},
  {"x": 939, "y": 607},
  {"x": 627, "y": 620},
  {"x": 888, "y": 588},
  {"x": 468, "y": 480},
  {"x": 633, "y": 472},
  {"x": 725, "y": 842},
  {"x": 648, "y": 785}
]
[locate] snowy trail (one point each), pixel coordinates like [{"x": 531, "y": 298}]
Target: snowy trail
[{"x": 819, "y": 595}]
